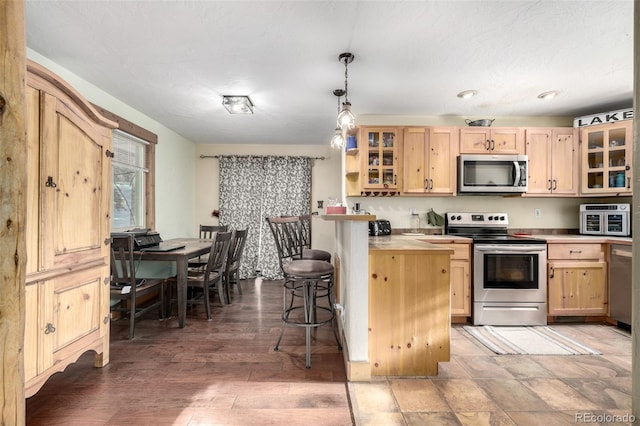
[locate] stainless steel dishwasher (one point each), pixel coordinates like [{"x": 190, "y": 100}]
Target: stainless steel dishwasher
[{"x": 620, "y": 283}]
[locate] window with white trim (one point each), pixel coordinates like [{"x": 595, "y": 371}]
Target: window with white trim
[{"x": 129, "y": 177}]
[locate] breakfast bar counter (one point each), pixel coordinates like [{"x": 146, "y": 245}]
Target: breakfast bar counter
[{"x": 393, "y": 301}]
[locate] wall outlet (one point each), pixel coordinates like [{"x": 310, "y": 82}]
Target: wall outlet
[{"x": 537, "y": 213}]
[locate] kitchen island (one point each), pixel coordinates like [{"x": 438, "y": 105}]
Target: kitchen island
[{"x": 393, "y": 301}]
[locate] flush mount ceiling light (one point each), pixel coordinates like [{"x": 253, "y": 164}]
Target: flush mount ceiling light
[
  {"x": 338, "y": 141},
  {"x": 467, "y": 94},
  {"x": 548, "y": 95},
  {"x": 346, "y": 121},
  {"x": 238, "y": 104}
]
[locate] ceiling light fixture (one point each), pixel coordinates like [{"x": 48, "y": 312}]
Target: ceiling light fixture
[
  {"x": 467, "y": 94},
  {"x": 237, "y": 104},
  {"x": 338, "y": 139},
  {"x": 548, "y": 95},
  {"x": 346, "y": 121}
]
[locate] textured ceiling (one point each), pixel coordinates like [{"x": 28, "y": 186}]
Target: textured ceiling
[{"x": 172, "y": 60}]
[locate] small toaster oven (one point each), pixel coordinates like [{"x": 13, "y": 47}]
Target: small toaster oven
[{"x": 379, "y": 227}]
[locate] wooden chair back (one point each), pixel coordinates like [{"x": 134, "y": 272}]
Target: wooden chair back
[{"x": 207, "y": 231}]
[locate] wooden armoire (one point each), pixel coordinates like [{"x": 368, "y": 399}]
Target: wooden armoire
[{"x": 68, "y": 228}]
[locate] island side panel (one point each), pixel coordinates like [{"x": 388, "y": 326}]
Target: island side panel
[
  {"x": 352, "y": 246},
  {"x": 409, "y": 312}
]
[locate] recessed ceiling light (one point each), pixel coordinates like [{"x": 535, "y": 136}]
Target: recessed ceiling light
[
  {"x": 467, "y": 94},
  {"x": 238, "y": 104},
  {"x": 548, "y": 95}
]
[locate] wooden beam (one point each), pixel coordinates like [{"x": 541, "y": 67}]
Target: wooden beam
[{"x": 13, "y": 206}]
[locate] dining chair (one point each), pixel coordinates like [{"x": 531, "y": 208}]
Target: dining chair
[
  {"x": 202, "y": 281},
  {"x": 206, "y": 233},
  {"x": 126, "y": 288},
  {"x": 236, "y": 249},
  {"x": 305, "y": 281},
  {"x": 307, "y": 251}
]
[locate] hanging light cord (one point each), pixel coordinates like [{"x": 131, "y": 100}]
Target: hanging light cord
[{"x": 346, "y": 79}]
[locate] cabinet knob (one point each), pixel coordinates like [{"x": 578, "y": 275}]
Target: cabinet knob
[{"x": 49, "y": 329}]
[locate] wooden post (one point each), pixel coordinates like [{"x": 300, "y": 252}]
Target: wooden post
[{"x": 13, "y": 181}]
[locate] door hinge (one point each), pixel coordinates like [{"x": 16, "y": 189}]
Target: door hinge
[{"x": 109, "y": 154}]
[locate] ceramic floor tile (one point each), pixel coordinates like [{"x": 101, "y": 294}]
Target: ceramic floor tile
[
  {"x": 536, "y": 418},
  {"x": 485, "y": 418},
  {"x": 372, "y": 397},
  {"x": 440, "y": 419},
  {"x": 452, "y": 370},
  {"x": 418, "y": 395},
  {"x": 564, "y": 366},
  {"x": 559, "y": 395},
  {"x": 464, "y": 395},
  {"x": 379, "y": 419},
  {"x": 512, "y": 395},
  {"x": 608, "y": 393},
  {"x": 523, "y": 367},
  {"x": 484, "y": 367}
]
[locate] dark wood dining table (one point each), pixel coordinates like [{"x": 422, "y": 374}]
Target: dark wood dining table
[{"x": 193, "y": 247}]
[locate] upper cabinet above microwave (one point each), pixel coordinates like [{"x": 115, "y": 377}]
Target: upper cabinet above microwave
[
  {"x": 491, "y": 140},
  {"x": 607, "y": 151},
  {"x": 553, "y": 161}
]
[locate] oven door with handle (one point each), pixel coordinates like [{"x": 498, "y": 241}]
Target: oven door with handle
[{"x": 510, "y": 273}]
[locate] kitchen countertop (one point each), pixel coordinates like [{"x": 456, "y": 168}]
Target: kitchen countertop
[
  {"x": 398, "y": 243},
  {"x": 588, "y": 239},
  {"x": 435, "y": 239}
]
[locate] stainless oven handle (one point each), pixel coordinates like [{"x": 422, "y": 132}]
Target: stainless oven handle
[{"x": 500, "y": 248}]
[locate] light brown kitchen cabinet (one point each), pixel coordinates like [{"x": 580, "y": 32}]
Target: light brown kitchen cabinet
[
  {"x": 553, "y": 161},
  {"x": 577, "y": 280},
  {"x": 607, "y": 153},
  {"x": 380, "y": 159},
  {"x": 460, "y": 280},
  {"x": 68, "y": 193},
  {"x": 429, "y": 160},
  {"x": 491, "y": 140}
]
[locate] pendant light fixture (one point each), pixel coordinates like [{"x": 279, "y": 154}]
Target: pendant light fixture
[
  {"x": 346, "y": 121},
  {"x": 338, "y": 139}
]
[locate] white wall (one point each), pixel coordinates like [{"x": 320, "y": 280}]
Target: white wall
[
  {"x": 325, "y": 178},
  {"x": 175, "y": 157}
]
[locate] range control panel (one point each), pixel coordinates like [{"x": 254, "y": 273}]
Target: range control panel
[{"x": 477, "y": 219}]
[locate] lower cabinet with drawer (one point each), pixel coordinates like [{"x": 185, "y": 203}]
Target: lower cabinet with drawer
[
  {"x": 577, "y": 279},
  {"x": 460, "y": 278}
]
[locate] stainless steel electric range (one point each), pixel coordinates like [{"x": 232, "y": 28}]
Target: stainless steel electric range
[{"x": 509, "y": 272}]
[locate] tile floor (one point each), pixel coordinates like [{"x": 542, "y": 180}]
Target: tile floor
[
  {"x": 478, "y": 387},
  {"x": 225, "y": 371}
]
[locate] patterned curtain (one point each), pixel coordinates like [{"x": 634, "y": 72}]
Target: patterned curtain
[{"x": 253, "y": 188}]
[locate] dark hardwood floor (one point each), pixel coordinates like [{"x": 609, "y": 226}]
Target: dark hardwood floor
[{"x": 223, "y": 371}]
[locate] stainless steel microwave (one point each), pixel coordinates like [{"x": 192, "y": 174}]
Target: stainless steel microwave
[
  {"x": 605, "y": 219},
  {"x": 492, "y": 173}
]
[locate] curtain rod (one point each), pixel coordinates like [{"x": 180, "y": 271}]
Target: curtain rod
[{"x": 245, "y": 156}]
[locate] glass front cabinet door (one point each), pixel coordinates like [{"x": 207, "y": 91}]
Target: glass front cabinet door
[
  {"x": 381, "y": 158},
  {"x": 607, "y": 151}
]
